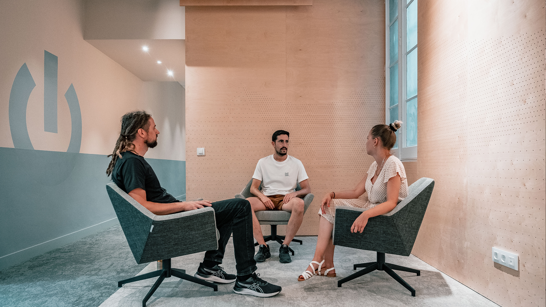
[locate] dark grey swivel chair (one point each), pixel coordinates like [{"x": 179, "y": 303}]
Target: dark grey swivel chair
[
  {"x": 161, "y": 237},
  {"x": 391, "y": 233},
  {"x": 275, "y": 217}
]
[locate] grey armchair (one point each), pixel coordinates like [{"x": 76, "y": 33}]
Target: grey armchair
[
  {"x": 275, "y": 217},
  {"x": 392, "y": 233},
  {"x": 161, "y": 237}
]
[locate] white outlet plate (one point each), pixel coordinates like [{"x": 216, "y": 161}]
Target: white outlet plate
[
  {"x": 201, "y": 151},
  {"x": 505, "y": 258}
]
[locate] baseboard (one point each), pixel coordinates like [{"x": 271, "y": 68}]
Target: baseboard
[{"x": 44, "y": 247}]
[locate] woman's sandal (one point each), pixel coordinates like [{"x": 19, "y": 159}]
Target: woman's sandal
[
  {"x": 327, "y": 273},
  {"x": 308, "y": 274}
]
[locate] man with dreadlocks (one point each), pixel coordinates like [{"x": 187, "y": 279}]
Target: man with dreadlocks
[{"x": 135, "y": 176}]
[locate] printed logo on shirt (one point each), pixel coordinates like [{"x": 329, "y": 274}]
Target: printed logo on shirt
[{"x": 287, "y": 174}]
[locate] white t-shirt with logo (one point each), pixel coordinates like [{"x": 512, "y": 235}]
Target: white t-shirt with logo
[{"x": 279, "y": 178}]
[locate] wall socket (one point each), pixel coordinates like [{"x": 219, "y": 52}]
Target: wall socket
[
  {"x": 201, "y": 151},
  {"x": 505, "y": 258}
]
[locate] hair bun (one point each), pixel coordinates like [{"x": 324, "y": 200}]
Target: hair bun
[{"x": 396, "y": 125}]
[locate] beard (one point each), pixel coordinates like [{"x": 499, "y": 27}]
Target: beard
[
  {"x": 151, "y": 144},
  {"x": 282, "y": 153}
]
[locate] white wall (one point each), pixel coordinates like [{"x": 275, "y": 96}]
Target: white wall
[
  {"x": 105, "y": 89},
  {"x": 57, "y": 196},
  {"x": 172, "y": 137},
  {"x": 134, "y": 19}
]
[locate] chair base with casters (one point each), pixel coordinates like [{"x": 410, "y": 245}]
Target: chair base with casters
[
  {"x": 275, "y": 237},
  {"x": 166, "y": 272},
  {"x": 381, "y": 265}
]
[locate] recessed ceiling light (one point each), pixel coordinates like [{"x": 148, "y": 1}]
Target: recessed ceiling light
[
  {"x": 170, "y": 73},
  {"x": 159, "y": 62},
  {"x": 145, "y": 48}
]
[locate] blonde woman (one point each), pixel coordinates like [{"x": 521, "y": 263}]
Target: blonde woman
[{"x": 386, "y": 185}]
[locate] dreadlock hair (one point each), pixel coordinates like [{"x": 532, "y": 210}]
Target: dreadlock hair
[
  {"x": 387, "y": 133},
  {"x": 130, "y": 123}
]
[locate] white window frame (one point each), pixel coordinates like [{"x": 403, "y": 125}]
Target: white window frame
[{"x": 403, "y": 152}]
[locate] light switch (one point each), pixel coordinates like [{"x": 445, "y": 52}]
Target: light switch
[{"x": 201, "y": 151}]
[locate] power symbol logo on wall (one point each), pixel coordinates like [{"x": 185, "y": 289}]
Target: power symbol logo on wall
[{"x": 18, "y": 100}]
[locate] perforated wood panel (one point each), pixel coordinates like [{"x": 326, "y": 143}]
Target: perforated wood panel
[
  {"x": 482, "y": 138},
  {"x": 245, "y": 2},
  {"x": 411, "y": 171},
  {"x": 316, "y": 71}
]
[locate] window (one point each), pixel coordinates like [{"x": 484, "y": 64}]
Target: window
[{"x": 401, "y": 74}]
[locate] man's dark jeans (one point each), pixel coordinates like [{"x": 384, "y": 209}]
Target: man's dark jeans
[{"x": 235, "y": 215}]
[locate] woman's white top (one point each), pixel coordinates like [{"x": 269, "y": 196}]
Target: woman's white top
[{"x": 377, "y": 192}]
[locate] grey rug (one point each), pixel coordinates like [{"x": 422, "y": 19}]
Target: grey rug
[
  {"x": 84, "y": 273},
  {"x": 375, "y": 289}
]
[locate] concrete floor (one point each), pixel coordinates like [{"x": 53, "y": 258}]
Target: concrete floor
[{"x": 433, "y": 288}]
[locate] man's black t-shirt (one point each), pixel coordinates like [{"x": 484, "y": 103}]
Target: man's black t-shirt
[{"x": 132, "y": 172}]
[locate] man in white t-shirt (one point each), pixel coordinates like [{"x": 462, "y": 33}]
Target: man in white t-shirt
[{"x": 280, "y": 174}]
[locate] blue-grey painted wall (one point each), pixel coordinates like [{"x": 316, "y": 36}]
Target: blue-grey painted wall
[{"x": 46, "y": 196}]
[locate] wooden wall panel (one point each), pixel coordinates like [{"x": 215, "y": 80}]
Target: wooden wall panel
[
  {"x": 482, "y": 138},
  {"x": 316, "y": 71},
  {"x": 411, "y": 171},
  {"x": 245, "y": 2}
]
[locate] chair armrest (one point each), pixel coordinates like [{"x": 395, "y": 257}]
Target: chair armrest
[
  {"x": 307, "y": 200},
  {"x": 345, "y": 217},
  {"x": 180, "y": 234},
  {"x": 246, "y": 190},
  {"x": 195, "y": 213},
  {"x": 380, "y": 234}
]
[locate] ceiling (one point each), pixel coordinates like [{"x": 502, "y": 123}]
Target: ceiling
[{"x": 129, "y": 54}]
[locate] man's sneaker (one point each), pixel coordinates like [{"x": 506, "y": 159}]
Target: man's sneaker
[
  {"x": 284, "y": 254},
  {"x": 262, "y": 254},
  {"x": 214, "y": 274},
  {"x": 256, "y": 286}
]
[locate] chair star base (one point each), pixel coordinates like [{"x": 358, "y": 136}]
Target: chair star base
[
  {"x": 381, "y": 265},
  {"x": 166, "y": 272},
  {"x": 280, "y": 239}
]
